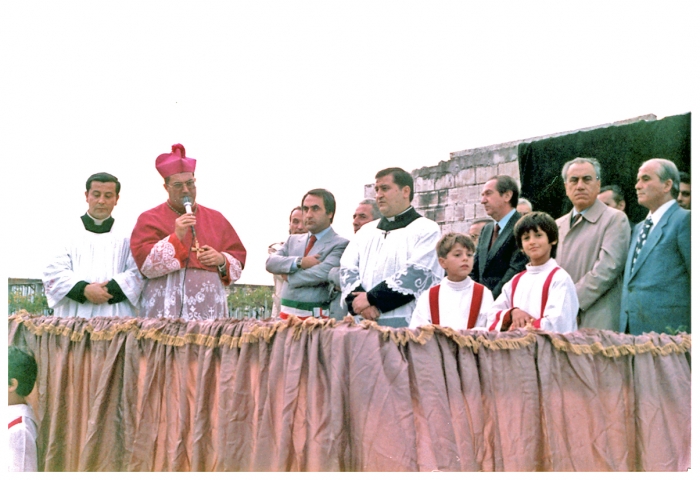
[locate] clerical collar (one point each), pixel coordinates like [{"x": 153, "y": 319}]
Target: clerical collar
[
  {"x": 401, "y": 220},
  {"x": 94, "y": 225}
]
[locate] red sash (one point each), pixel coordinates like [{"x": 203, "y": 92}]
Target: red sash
[{"x": 477, "y": 295}]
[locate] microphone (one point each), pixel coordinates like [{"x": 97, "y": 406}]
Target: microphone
[{"x": 187, "y": 203}]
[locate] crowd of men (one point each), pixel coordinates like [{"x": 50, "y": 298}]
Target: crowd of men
[{"x": 181, "y": 255}]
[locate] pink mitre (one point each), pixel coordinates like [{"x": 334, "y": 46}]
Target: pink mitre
[{"x": 176, "y": 162}]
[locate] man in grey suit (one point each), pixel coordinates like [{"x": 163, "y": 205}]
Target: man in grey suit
[
  {"x": 593, "y": 243},
  {"x": 656, "y": 285},
  {"x": 498, "y": 258},
  {"x": 306, "y": 259}
]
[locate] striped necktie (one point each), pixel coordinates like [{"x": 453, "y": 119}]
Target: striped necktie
[{"x": 642, "y": 239}]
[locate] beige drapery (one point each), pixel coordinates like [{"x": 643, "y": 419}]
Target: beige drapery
[{"x": 133, "y": 394}]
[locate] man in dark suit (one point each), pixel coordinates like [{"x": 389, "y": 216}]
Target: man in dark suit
[
  {"x": 498, "y": 258},
  {"x": 305, "y": 259},
  {"x": 656, "y": 285}
]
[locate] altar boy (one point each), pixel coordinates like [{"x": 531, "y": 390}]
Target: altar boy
[{"x": 457, "y": 301}]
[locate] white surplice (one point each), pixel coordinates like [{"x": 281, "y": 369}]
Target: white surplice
[
  {"x": 92, "y": 257},
  {"x": 405, "y": 258}
]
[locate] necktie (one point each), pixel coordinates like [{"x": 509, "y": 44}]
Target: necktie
[
  {"x": 312, "y": 240},
  {"x": 496, "y": 228},
  {"x": 642, "y": 238},
  {"x": 574, "y": 219}
]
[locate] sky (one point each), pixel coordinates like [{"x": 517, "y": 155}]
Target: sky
[{"x": 274, "y": 98}]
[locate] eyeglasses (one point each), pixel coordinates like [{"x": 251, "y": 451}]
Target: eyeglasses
[{"x": 179, "y": 185}]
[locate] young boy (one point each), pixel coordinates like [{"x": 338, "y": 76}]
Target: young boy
[
  {"x": 543, "y": 295},
  {"x": 457, "y": 302},
  {"x": 22, "y": 370}
]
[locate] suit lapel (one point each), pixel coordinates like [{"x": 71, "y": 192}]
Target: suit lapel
[
  {"x": 483, "y": 246},
  {"x": 504, "y": 236},
  {"x": 653, "y": 238},
  {"x": 322, "y": 242}
]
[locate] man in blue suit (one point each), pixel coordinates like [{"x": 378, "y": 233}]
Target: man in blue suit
[
  {"x": 656, "y": 285},
  {"x": 305, "y": 259}
]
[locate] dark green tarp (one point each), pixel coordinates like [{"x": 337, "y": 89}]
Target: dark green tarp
[{"x": 620, "y": 151}]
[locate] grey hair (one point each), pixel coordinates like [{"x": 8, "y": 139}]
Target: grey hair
[
  {"x": 375, "y": 209},
  {"x": 525, "y": 201},
  {"x": 592, "y": 161},
  {"x": 667, "y": 170}
]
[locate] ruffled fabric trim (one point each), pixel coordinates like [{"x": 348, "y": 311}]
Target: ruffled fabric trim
[{"x": 264, "y": 331}]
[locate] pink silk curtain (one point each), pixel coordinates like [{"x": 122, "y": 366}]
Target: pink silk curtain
[{"x": 133, "y": 394}]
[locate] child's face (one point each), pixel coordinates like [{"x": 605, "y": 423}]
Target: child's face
[
  {"x": 458, "y": 264},
  {"x": 537, "y": 246}
]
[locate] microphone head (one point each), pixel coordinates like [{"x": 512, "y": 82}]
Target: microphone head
[{"x": 187, "y": 203}]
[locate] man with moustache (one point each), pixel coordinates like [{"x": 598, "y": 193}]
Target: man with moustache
[
  {"x": 93, "y": 274},
  {"x": 187, "y": 258},
  {"x": 593, "y": 242},
  {"x": 390, "y": 262},
  {"x": 306, "y": 259},
  {"x": 656, "y": 283}
]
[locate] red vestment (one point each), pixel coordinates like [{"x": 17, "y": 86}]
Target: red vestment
[{"x": 161, "y": 257}]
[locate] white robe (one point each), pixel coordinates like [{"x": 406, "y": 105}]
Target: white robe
[
  {"x": 405, "y": 258},
  {"x": 23, "y": 433},
  {"x": 454, "y": 303},
  {"x": 92, "y": 257},
  {"x": 562, "y": 302}
]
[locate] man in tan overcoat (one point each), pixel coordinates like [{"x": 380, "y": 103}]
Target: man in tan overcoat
[{"x": 593, "y": 244}]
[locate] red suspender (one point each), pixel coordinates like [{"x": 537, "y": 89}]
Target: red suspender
[
  {"x": 516, "y": 279},
  {"x": 545, "y": 289},
  {"x": 434, "y": 307},
  {"x": 477, "y": 295},
  {"x": 14, "y": 422}
]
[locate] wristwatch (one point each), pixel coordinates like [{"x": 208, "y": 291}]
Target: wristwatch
[
  {"x": 299, "y": 262},
  {"x": 222, "y": 268}
]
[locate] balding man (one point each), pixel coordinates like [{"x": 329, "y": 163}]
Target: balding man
[
  {"x": 656, "y": 285},
  {"x": 524, "y": 206},
  {"x": 476, "y": 227},
  {"x": 593, "y": 242}
]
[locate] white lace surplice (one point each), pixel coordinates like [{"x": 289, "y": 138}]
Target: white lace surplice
[
  {"x": 405, "y": 258},
  {"x": 92, "y": 257},
  {"x": 205, "y": 296}
]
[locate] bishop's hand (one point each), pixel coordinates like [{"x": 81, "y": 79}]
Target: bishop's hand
[{"x": 183, "y": 223}]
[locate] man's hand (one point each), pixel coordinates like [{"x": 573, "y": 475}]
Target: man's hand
[
  {"x": 310, "y": 261},
  {"x": 183, "y": 223},
  {"x": 210, "y": 257},
  {"x": 520, "y": 319},
  {"x": 371, "y": 313},
  {"x": 97, "y": 293},
  {"x": 360, "y": 302}
]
